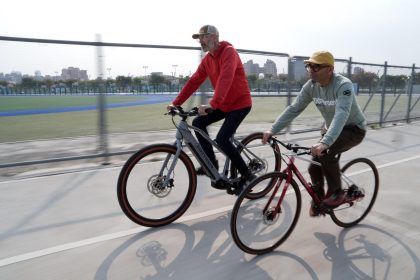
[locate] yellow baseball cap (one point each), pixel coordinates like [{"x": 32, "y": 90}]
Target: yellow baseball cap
[{"x": 321, "y": 57}]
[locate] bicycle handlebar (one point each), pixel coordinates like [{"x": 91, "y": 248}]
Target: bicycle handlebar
[
  {"x": 298, "y": 150},
  {"x": 178, "y": 110}
]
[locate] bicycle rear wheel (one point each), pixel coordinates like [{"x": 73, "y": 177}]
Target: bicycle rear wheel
[
  {"x": 147, "y": 194},
  {"x": 258, "y": 226},
  {"x": 360, "y": 181},
  {"x": 260, "y": 159}
]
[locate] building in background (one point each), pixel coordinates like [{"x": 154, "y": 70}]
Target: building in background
[
  {"x": 269, "y": 68},
  {"x": 251, "y": 68},
  {"x": 14, "y": 77},
  {"x": 298, "y": 68},
  {"x": 74, "y": 73},
  {"x": 358, "y": 70}
]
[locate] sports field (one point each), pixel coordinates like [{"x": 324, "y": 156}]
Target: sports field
[{"x": 129, "y": 118}]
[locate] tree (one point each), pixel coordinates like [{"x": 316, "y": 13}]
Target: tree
[
  {"x": 123, "y": 82},
  {"x": 137, "y": 82},
  {"x": 365, "y": 79},
  {"x": 252, "y": 80},
  {"x": 398, "y": 81},
  {"x": 416, "y": 79},
  {"x": 156, "y": 79},
  {"x": 282, "y": 77},
  {"x": 28, "y": 82}
]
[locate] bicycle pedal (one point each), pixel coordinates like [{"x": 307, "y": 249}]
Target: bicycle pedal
[
  {"x": 230, "y": 191},
  {"x": 220, "y": 184},
  {"x": 234, "y": 190}
]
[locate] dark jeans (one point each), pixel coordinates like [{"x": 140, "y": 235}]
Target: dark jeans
[
  {"x": 350, "y": 136},
  {"x": 231, "y": 122}
]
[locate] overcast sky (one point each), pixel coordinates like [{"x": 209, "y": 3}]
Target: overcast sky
[{"x": 371, "y": 31}]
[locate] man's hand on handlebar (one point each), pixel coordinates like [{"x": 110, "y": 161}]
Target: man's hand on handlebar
[
  {"x": 170, "y": 107},
  {"x": 204, "y": 110},
  {"x": 318, "y": 149},
  {"x": 266, "y": 135}
]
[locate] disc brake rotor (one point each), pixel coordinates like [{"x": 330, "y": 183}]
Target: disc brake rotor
[
  {"x": 156, "y": 187},
  {"x": 271, "y": 216}
]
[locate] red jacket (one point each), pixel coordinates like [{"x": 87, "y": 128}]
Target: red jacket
[{"x": 227, "y": 76}]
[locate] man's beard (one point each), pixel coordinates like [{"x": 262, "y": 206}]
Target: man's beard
[
  {"x": 204, "y": 48},
  {"x": 208, "y": 46}
]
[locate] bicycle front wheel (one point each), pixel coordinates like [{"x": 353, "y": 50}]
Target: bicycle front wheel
[
  {"x": 155, "y": 187},
  {"x": 259, "y": 226},
  {"x": 260, "y": 159},
  {"x": 360, "y": 181}
]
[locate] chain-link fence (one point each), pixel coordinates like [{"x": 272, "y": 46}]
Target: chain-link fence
[{"x": 386, "y": 93}]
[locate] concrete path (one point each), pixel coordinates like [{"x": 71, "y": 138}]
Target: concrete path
[{"x": 68, "y": 225}]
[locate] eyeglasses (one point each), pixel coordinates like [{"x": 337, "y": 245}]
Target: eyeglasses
[{"x": 315, "y": 67}]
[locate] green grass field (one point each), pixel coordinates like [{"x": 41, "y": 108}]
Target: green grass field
[{"x": 128, "y": 119}]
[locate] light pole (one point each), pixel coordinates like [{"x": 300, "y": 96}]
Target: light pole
[
  {"x": 174, "y": 66},
  {"x": 109, "y": 72},
  {"x": 145, "y": 70}
]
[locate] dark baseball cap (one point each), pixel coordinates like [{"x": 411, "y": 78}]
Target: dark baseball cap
[{"x": 205, "y": 30}]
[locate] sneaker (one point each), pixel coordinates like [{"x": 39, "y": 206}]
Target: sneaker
[
  {"x": 335, "y": 199},
  {"x": 243, "y": 182},
  {"x": 313, "y": 212},
  {"x": 320, "y": 192},
  {"x": 201, "y": 171}
]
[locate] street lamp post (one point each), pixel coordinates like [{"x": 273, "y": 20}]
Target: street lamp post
[
  {"x": 145, "y": 70},
  {"x": 109, "y": 72},
  {"x": 174, "y": 66}
]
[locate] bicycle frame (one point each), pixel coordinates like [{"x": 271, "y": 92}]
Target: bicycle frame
[
  {"x": 291, "y": 170},
  {"x": 184, "y": 134}
]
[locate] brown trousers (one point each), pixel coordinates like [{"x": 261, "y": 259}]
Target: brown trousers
[{"x": 350, "y": 136}]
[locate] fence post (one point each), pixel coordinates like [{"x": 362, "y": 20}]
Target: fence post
[
  {"x": 103, "y": 141},
  {"x": 410, "y": 91},
  {"x": 381, "y": 120},
  {"x": 349, "y": 63},
  {"x": 290, "y": 68}
]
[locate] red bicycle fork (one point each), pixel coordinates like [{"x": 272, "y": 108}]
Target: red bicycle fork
[{"x": 289, "y": 171}]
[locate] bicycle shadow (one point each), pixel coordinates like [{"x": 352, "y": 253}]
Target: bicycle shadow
[
  {"x": 201, "y": 250},
  {"x": 368, "y": 252}
]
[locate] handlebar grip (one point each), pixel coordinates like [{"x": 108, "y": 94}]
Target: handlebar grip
[{"x": 209, "y": 110}]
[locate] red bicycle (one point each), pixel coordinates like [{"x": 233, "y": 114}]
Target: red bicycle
[{"x": 261, "y": 225}]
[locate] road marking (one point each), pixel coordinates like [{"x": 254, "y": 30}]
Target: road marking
[
  {"x": 397, "y": 162},
  {"x": 106, "y": 237}
]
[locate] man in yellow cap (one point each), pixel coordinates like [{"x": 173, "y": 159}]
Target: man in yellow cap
[{"x": 334, "y": 97}]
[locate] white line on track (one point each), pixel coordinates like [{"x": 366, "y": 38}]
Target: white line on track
[{"x": 107, "y": 237}]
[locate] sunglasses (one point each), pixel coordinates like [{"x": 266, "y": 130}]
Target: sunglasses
[{"x": 315, "y": 67}]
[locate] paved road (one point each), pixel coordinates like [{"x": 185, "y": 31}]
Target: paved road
[{"x": 69, "y": 226}]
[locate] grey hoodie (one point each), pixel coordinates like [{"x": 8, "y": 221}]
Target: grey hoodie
[{"x": 336, "y": 102}]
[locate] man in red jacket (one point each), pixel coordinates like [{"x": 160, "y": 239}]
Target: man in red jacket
[{"x": 231, "y": 100}]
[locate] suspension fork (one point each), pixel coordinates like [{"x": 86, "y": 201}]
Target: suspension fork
[{"x": 169, "y": 176}]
